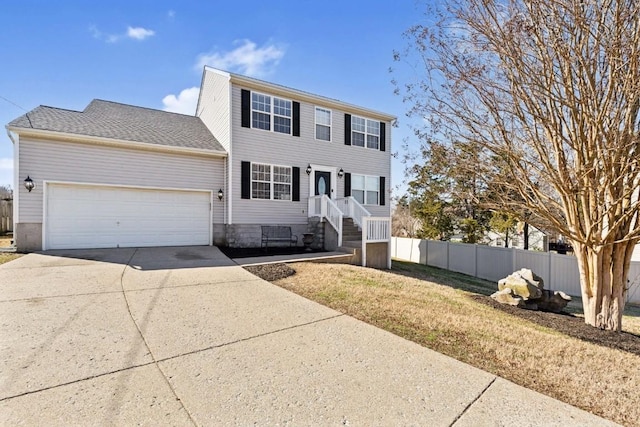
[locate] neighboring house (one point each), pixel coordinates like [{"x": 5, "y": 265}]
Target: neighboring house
[
  {"x": 538, "y": 240},
  {"x": 254, "y": 154}
]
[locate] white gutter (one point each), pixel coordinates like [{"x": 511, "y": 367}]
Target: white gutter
[{"x": 98, "y": 140}]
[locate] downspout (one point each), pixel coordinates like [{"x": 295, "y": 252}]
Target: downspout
[
  {"x": 16, "y": 174},
  {"x": 229, "y": 177}
]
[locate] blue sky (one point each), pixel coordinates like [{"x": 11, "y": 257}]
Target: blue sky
[{"x": 151, "y": 53}]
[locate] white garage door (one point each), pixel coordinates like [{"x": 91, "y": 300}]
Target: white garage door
[{"x": 85, "y": 216}]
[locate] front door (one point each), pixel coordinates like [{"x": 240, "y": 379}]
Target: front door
[{"x": 323, "y": 183}]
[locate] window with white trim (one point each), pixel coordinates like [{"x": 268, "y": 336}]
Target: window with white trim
[
  {"x": 323, "y": 124},
  {"x": 365, "y": 132},
  {"x": 270, "y": 112},
  {"x": 365, "y": 189},
  {"x": 270, "y": 182}
]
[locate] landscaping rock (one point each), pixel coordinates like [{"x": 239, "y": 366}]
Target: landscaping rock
[
  {"x": 553, "y": 301},
  {"x": 525, "y": 289},
  {"x": 506, "y": 296},
  {"x": 523, "y": 283}
]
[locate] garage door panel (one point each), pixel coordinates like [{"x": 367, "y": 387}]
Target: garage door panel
[{"x": 83, "y": 216}]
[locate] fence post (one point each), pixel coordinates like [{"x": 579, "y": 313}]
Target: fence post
[
  {"x": 447, "y": 254},
  {"x": 475, "y": 260}
]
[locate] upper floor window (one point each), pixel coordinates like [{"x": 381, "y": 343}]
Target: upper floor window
[
  {"x": 365, "y": 189},
  {"x": 270, "y": 112},
  {"x": 270, "y": 182},
  {"x": 323, "y": 124},
  {"x": 365, "y": 132}
]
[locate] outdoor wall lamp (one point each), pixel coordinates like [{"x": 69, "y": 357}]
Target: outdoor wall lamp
[
  {"x": 340, "y": 173},
  {"x": 220, "y": 194},
  {"x": 309, "y": 169},
  {"x": 29, "y": 184}
]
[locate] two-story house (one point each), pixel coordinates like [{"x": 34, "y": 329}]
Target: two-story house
[{"x": 254, "y": 154}]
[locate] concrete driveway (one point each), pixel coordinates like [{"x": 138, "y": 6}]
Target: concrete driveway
[{"x": 183, "y": 336}]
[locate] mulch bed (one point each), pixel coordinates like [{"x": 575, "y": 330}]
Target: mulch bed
[
  {"x": 271, "y": 272},
  {"x": 570, "y": 325},
  {"x": 255, "y": 252}
]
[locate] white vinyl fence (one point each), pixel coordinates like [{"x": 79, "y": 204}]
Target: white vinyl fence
[{"x": 559, "y": 272}]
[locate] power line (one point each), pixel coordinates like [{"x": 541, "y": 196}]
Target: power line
[{"x": 13, "y": 103}]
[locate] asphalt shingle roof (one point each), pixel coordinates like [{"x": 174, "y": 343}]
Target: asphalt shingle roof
[{"x": 123, "y": 122}]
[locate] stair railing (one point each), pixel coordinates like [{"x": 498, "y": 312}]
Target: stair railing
[
  {"x": 326, "y": 208},
  {"x": 353, "y": 209}
]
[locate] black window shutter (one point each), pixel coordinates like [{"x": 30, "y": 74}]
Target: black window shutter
[
  {"x": 383, "y": 190},
  {"x": 295, "y": 181},
  {"x": 245, "y": 187},
  {"x": 347, "y": 129},
  {"x": 347, "y": 184},
  {"x": 296, "y": 118},
  {"x": 383, "y": 136},
  {"x": 245, "y": 106}
]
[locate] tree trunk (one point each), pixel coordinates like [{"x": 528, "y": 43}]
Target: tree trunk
[
  {"x": 603, "y": 281},
  {"x": 525, "y": 231},
  {"x": 506, "y": 239}
]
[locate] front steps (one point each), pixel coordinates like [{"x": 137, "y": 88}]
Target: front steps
[{"x": 351, "y": 240}]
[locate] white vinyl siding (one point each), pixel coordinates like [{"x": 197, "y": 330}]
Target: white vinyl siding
[
  {"x": 270, "y": 182},
  {"x": 277, "y": 149},
  {"x": 323, "y": 124},
  {"x": 366, "y": 189},
  {"x": 214, "y": 107},
  {"x": 73, "y": 162}
]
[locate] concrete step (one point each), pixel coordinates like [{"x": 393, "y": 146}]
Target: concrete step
[{"x": 355, "y": 244}]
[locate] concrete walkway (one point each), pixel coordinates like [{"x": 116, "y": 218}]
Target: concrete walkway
[{"x": 184, "y": 336}]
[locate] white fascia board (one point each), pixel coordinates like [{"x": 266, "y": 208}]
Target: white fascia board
[
  {"x": 97, "y": 140},
  {"x": 276, "y": 89}
]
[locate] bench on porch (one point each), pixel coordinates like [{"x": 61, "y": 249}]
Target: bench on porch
[{"x": 277, "y": 233}]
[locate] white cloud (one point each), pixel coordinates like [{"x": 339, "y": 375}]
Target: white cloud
[
  {"x": 139, "y": 33},
  {"x": 171, "y": 14},
  {"x": 185, "y": 103},
  {"x": 95, "y": 33},
  {"x": 247, "y": 58},
  {"x": 135, "y": 33}
]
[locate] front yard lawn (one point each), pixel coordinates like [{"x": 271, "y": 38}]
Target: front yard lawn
[{"x": 451, "y": 313}]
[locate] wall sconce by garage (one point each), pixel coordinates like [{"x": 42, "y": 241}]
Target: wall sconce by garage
[
  {"x": 340, "y": 173},
  {"x": 309, "y": 169},
  {"x": 29, "y": 184},
  {"x": 220, "y": 194}
]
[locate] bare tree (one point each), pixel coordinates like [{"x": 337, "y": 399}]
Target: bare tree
[
  {"x": 403, "y": 223},
  {"x": 551, "y": 90},
  {"x": 6, "y": 193}
]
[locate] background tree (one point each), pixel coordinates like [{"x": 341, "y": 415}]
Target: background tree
[
  {"x": 504, "y": 223},
  {"x": 447, "y": 198},
  {"x": 552, "y": 89},
  {"x": 404, "y": 223},
  {"x": 6, "y": 193}
]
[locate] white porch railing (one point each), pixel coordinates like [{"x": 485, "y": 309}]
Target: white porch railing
[
  {"x": 326, "y": 208},
  {"x": 374, "y": 229},
  {"x": 352, "y": 209}
]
